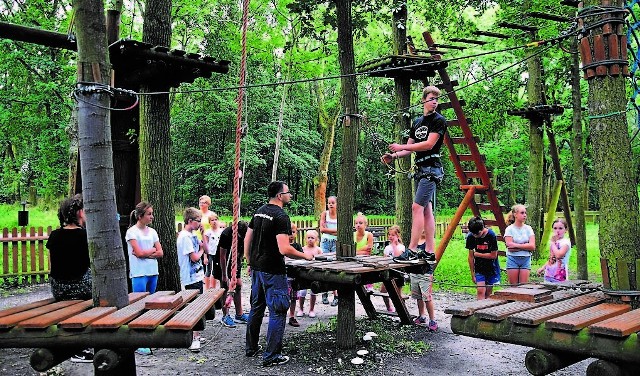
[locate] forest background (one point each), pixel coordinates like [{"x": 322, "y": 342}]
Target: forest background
[{"x": 285, "y": 43}]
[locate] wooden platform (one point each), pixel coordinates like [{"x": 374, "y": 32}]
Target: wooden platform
[
  {"x": 413, "y": 67},
  {"x": 77, "y": 324},
  {"x": 325, "y": 274},
  {"x": 576, "y": 321}
]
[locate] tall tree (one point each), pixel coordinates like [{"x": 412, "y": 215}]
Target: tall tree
[
  {"x": 402, "y": 120},
  {"x": 577, "y": 151},
  {"x": 346, "y": 186},
  {"x": 328, "y": 128},
  {"x": 156, "y": 183},
  {"x": 613, "y": 162},
  {"x": 94, "y": 133}
]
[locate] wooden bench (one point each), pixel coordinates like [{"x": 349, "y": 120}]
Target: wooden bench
[{"x": 576, "y": 321}]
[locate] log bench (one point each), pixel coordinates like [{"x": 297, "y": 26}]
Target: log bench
[
  {"x": 575, "y": 324},
  {"x": 58, "y": 329}
]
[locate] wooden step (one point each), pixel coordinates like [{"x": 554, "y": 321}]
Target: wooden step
[
  {"x": 194, "y": 311},
  {"x": 523, "y": 295},
  {"x": 126, "y": 314},
  {"x": 48, "y": 319},
  {"x": 454, "y": 122},
  {"x": 387, "y": 313},
  {"x": 447, "y": 105},
  {"x": 500, "y": 312},
  {"x": 87, "y": 317},
  {"x": 164, "y": 302},
  {"x": 11, "y": 320},
  {"x": 154, "y": 317},
  {"x": 468, "y": 308},
  {"x": 541, "y": 314},
  {"x": 443, "y": 86},
  {"x": 471, "y": 158},
  {"x": 575, "y": 321},
  {"x": 490, "y": 222},
  {"x": 476, "y": 174},
  {"x": 619, "y": 326},
  {"x": 26, "y": 307},
  {"x": 465, "y": 140}
]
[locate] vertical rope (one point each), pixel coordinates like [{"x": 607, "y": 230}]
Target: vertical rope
[{"x": 236, "y": 164}]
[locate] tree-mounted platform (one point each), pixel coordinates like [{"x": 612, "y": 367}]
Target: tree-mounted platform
[
  {"x": 139, "y": 63},
  {"x": 576, "y": 322},
  {"x": 412, "y": 67},
  {"x": 326, "y": 274},
  {"x": 57, "y": 329},
  {"x": 537, "y": 111}
]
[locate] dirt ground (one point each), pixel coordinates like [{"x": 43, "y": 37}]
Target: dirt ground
[{"x": 410, "y": 350}]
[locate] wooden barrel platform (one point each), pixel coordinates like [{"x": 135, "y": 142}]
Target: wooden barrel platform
[
  {"x": 326, "y": 273},
  {"x": 573, "y": 319},
  {"x": 163, "y": 319}
]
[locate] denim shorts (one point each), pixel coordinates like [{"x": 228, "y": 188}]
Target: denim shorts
[
  {"x": 426, "y": 189},
  {"x": 518, "y": 262},
  {"x": 489, "y": 281},
  {"x": 328, "y": 245}
]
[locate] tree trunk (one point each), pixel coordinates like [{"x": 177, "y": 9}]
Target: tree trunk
[
  {"x": 615, "y": 175},
  {"x": 94, "y": 134},
  {"x": 536, "y": 155},
  {"x": 72, "y": 133},
  {"x": 346, "y": 185},
  {"x": 402, "y": 121},
  {"x": 156, "y": 184},
  {"x": 328, "y": 126},
  {"x": 276, "y": 152},
  {"x": 579, "y": 186}
]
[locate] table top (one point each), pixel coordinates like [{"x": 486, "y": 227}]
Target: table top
[{"x": 356, "y": 264}]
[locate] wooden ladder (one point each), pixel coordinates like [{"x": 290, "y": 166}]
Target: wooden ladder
[{"x": 473, "y": 180}]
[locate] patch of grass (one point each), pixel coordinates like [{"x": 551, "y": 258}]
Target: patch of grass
[{"x": 39, "y": 216}]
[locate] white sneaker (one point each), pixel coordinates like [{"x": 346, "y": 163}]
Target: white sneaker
[
  {"x": 300, "y": 314},
  {"x": 195, "y": 345},
  {"x": 312, "y": 314}
]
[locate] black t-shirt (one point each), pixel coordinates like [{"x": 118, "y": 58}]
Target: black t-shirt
[
  {"x": 486, "y": 244},
  {"x": 297, "y": 246},
  {"x": 270, "y": 220},
  {"x": 421, "y": 129},
  {"x": 69, "y": 254},
  {"x": 225, "y": 243}
]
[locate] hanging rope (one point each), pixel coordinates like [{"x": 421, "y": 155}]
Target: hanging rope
[{"x": 236, "y": 164}]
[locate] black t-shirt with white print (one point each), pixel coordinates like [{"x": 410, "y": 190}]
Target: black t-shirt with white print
[
  {"x": 421, "y": 129},
  {"x": 268, "y": 221}
]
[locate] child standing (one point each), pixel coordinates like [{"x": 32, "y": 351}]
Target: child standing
[
  {"x": 329, "y": 234},
  {"x": 211, "y": 239},
  {"x": 190, "y": 251},
  {"x": 394, "y": 249},
  {"x": 483, "y": 253},
  {"x": 421, "y": 291},
  {"x": 223, "y": 271},
  {"x": 312, "y": 249},
  {"x": 293, "y": 294},
  {"x": 520, "y": 241},
  {"x": 557, "y": 268},
  {"x": 363, "y": 240},
  {"x": 144, "y": 249}
]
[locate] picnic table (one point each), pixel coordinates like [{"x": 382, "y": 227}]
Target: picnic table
[
  {"x": 325, "y": 273},
  {"x": 564, "y": 323},
  {"x": 58, "y": 329}
]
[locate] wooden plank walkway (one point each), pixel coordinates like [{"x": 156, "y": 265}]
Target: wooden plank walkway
[
  {"x": 189, "y": 317},
  {"x": 619, "y": 326},
  {"x": 577, "y": 320},
  {"x": 154, "y": 317},
  {"x": 541, "y": 314},
  {"x": 501, "y": 312}
]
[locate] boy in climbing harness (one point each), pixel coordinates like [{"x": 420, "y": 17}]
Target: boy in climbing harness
[{"x": 425, "y": 139}]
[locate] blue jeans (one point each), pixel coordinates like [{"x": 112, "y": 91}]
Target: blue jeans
[
  {"x": 147, "y": 283},
  {"x": 267, "y": 290}
]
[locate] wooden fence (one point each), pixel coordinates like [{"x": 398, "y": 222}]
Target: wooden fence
[{"x": 24, "y": 256}]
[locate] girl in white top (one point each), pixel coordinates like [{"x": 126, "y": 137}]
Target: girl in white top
[
  {"x": 394, "y": 249},
  {"x": 520, "y": 241},
  {"x": 144, "y": 249},
  {"x": 557, "y": 268},
  {"x": 210, "y": 242},
  {"x": 310, "y": 248},
  {"x": 329, "y": 234}
]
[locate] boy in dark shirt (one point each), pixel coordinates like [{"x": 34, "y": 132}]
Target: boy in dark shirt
[
  {"x": 483, "y": 257},
  {"x": 222, "y": 271}
]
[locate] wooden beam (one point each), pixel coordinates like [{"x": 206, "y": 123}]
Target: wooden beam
[
  {"x": 548, "y": 16},
  {"x": 37, "y": 36},
  {"x": 510, "y": 25},
  {"x": 449, "y": 46},
  {"x": 570, "y": 3},
  {"x": 491, "y": 34},
  {"x": 469, "y": 41}
]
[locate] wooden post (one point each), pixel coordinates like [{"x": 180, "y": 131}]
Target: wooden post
[
  {"x": 607, "y": 368},
  {"x": 43, "y": 359},
  {"x": 453, "y": 225}
]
